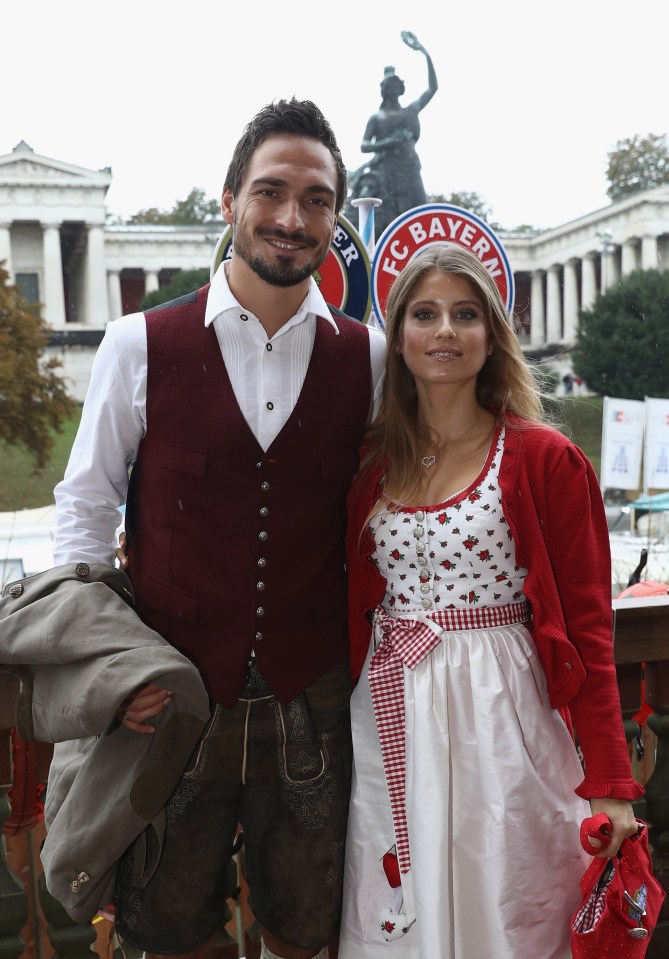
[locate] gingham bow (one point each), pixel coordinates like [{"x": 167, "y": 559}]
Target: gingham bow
[{"x": 399, "y": 642}]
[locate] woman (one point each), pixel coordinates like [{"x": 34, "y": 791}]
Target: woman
[{"x": 480, "y": 609}]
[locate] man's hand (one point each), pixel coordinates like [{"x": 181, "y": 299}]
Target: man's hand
[
  {"x": 120, "y": 552},
  {"x": 144, "y": 703}
]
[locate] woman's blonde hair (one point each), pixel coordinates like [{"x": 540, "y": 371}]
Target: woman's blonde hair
[{"x": 505, "y": 384}]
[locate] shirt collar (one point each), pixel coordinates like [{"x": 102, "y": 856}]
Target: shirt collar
[{"x": 221, "y": 300}]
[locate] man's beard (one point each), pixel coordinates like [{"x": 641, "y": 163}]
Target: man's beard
[{"x": 283, "y": 272}]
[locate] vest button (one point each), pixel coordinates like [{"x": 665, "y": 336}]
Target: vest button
[
  {"x": 260, "y": 611},
  {"x": 258, "y": 637},
  {"x": 264, "y": 486},
  {"x": 243, "y": 316},
  {"x": 270, "y": 406},
  {"x": 260, "y": 586},
  {"x": 262, "y": 562},
  {"x": 263, "y": 536},
  {"x": 269, "y": 347},
  {"x": 16, "y": 590},
  {"x": 264, "y": 511}
]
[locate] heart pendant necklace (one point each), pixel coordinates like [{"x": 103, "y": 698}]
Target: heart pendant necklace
[{"x": 428, "y": 461}]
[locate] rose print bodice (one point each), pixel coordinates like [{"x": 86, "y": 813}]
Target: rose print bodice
[{"x": 457, "y": 554}]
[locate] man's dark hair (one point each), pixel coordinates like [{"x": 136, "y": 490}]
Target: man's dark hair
[{"x": 298, "y": 117}]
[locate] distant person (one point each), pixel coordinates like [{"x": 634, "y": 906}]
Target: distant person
[
  {"x": 568, "y": 383},
  {"x": 393, "y": 174},
  {"x": 229, "y": 422},
  {"x": 480, "y": 617}
]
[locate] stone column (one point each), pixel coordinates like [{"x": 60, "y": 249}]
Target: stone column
[
  {"x": 537, "y": 314},
  {"x": 53, "y": 294},
  {"x": 649, "y": 257},
  {"x": 553, "y": 304},
  {"x": 588, "y": 281},
  {"x": 96, "y": 312},
  {"x": 6, "y": 250},
  {"x": 115, "y": 299},
  {"x": 629, "y": 260},
  {"x": 609, "y": 270},
  {"x": 570, "y": 301},
  {"x": 150, "y": 281}
]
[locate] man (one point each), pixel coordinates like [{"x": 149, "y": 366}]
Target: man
[{"x": 238, "y": 411}]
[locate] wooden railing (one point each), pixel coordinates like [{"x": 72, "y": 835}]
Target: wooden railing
[{"x": 34, "y": 926}]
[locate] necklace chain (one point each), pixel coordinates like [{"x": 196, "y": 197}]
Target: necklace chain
[{"x": 428, "y": 461}]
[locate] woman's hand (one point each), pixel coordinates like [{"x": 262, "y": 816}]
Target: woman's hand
[
  {"x": 623, "y": 824},
  {"x": 144, "y": 703}
]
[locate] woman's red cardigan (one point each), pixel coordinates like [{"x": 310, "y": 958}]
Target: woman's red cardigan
[{"x": 553, "y": 505}]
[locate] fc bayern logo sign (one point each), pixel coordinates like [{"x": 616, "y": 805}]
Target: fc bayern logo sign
[
  {"x": 436, "y": 223},
  {"x": 344, "y": 277}
]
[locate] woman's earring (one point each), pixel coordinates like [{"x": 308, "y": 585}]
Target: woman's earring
[{"x": 491, "y": 350}]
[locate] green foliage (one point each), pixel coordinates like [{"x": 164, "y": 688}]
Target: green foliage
[
  {"x": 33, "y": 398},
  {"x": 186, "y": 281},
  {"x": 622, "y": 345},
  {"x": 195, "y": 210},
  {"x": 637, "y": 163},
  {"x": 472, "y": 202}
]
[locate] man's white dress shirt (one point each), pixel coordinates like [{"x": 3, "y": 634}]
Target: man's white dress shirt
[{"x": 266, "y": 384}]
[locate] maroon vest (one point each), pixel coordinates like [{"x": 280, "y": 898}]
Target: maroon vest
[{"x": 231, "y": 548}]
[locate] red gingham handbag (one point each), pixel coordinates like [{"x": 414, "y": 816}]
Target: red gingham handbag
[{"x": 621, "y": 899}]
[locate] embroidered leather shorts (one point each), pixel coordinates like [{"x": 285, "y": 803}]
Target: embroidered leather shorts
[{"x": 284, "y": 774}]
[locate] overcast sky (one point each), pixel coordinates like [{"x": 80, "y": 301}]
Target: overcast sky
[{"x": 531, "y": 97}]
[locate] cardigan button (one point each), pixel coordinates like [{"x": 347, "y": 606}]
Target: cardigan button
[
  {"x": 260, "y": 611},
  {"x": 263, "y": 536},
  {"x": 264, "y": 486},
  {"x": 568, "y": 666},
  {"x": 16, "y": 590},
  {"x": 420, "y": 515}
]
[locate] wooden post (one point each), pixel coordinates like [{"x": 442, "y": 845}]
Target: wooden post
[
  {"x": 641, "y": 635},
  {"x": 13, "y": 904}
]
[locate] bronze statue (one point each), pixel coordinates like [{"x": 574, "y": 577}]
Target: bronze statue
[{"x": 393, "y": 173}]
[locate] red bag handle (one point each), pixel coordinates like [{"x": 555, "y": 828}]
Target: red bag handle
[{"x": 595, "y": 827}]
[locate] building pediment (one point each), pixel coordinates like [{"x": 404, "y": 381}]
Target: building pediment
[{"x": 24, "y": 167}]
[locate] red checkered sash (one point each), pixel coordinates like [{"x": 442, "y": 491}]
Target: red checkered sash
[{"x": 405, "y": 640}]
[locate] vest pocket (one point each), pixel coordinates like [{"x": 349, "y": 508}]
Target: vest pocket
[
  {"x": 169, "y": 601},
  {"x": 180, "y": 459}
]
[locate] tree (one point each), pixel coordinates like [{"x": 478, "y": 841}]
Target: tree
[
  {"x": 637, "y": 163},
  {"x": 195, "y": 210},
  {"x": 622, "y": 345},
  {"x": 472, "y": 202},
  {"x": 33, "y": 398},
  {"x": 186, "y": 281}
]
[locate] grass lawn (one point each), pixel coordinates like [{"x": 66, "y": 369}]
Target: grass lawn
[
  {"x": 582, "y": 423},
  {"x": 21, "y": 488}
]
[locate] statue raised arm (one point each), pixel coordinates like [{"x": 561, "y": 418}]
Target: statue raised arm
[{"x": 393, "y": 173}]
